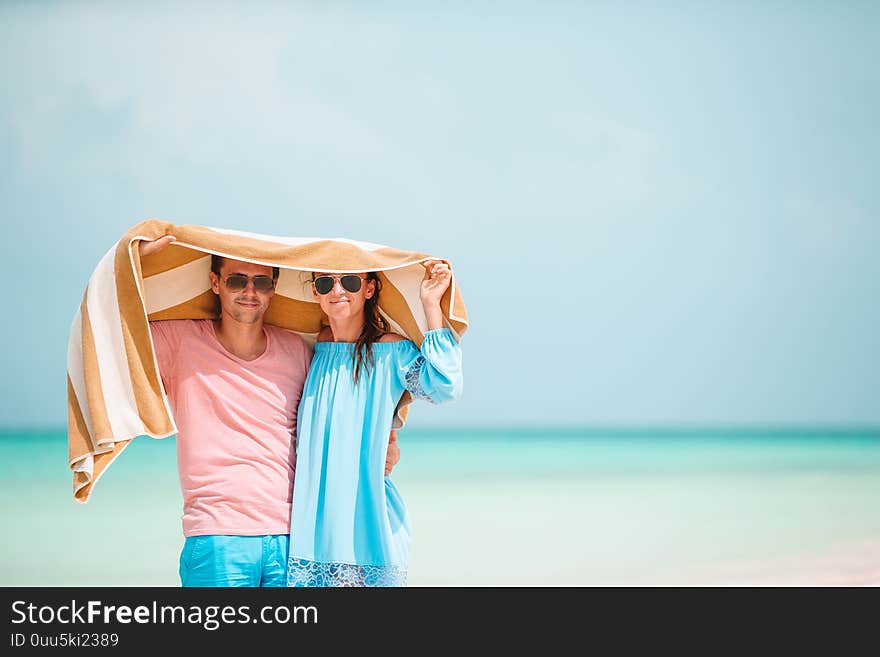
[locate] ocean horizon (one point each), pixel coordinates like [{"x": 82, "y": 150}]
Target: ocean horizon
[{"x": 507, "y": 506}]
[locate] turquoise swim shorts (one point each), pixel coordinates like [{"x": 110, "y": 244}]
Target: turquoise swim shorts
[{"x": 219, "y": 560}]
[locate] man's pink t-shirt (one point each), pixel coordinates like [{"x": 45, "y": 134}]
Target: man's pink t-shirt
[{"x": 236, "y": 422}]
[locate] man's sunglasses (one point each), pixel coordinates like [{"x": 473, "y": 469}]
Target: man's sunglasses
[
  {"x": 349, "y": 282},
  {"x": 237, "y": 282}
]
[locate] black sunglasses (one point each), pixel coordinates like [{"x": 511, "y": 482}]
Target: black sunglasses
[
  {"x": 236, "y": 282},
  {"x": 350, "y": 282}
]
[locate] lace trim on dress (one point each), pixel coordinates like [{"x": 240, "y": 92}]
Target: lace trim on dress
[
  {"x": 302, "y": 572},
  {"x": 412, "y": 380}
]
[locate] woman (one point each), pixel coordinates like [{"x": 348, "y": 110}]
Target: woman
[{"x": 349, "y": 525}]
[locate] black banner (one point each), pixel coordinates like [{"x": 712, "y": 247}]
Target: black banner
[{"x": 129, "y": 620}]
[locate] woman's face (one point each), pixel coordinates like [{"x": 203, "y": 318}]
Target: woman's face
[{"x": 340, "y": 302}]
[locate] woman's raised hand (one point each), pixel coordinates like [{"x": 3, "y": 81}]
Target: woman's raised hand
[{"x": 438, "y": 276}]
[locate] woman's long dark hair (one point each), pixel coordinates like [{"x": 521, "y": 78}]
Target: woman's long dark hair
[{"x": 374, "y": 328}]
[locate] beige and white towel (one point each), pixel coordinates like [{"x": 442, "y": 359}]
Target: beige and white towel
[{"x": 114, "y": 389}]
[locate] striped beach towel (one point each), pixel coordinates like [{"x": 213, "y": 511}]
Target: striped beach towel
[{"x": 114, "y": 391}]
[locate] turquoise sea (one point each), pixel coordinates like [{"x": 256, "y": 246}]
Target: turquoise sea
[{"x": 506, "y": 507}]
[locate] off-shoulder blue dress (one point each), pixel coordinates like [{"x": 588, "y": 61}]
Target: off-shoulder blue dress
[{"x": 349, "y": 525}]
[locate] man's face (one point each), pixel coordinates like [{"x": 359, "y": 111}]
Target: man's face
[{"x": 246, "y": 305}]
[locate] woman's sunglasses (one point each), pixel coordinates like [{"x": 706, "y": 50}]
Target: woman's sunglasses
[
  {"x": 237, "y": 282},
  {"x": 349, "y": 282}
]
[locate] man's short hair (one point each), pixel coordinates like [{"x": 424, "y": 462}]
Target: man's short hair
[{"x": 217, "y": 265}]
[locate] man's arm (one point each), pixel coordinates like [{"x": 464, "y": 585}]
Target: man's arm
[
  {"x": 164, "y": 341},
  {"x": 393, "y": 454},
  {"x": 154, "y": 246}
]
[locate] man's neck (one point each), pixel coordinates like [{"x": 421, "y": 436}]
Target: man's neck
[{"x": 247, "y": 341}]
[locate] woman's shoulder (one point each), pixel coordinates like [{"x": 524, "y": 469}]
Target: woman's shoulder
[
  {"x": 391, "y": 337},
  {"x": 326, "y": 335}
]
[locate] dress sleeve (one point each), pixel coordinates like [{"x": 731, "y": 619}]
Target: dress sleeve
[{"x": 434, "y": 372}]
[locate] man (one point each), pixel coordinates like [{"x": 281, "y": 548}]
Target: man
[{"x": 234, "y": 385}]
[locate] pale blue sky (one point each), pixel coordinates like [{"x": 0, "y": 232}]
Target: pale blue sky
[{"x": 659, "y": 213}]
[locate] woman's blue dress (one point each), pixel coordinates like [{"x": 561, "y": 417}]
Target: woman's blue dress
[{"x": 349, "y": 525}]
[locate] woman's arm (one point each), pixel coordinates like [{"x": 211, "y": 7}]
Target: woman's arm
[
  {"x": 433, "y": 373},
  {"x": 438, "y": 276}
]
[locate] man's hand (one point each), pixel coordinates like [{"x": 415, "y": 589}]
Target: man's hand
[
  {"x": 393, "y": 454},
  {"x": 154, "y": 246}
]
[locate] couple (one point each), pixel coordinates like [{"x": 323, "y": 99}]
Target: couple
[{"x": 254, "y": 407}]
